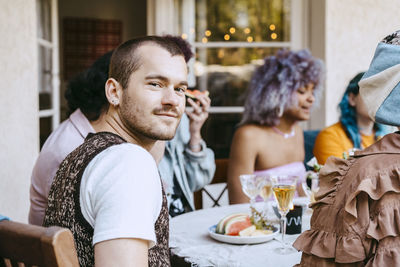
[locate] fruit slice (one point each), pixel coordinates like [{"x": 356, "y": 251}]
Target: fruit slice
[
  {"x": 194, "y": 93},
  {"x": 261, "y": 232},
  {"x": 220, "y": 229},
  {"x": 237, "y": 224},
  {"x": 248, "y": 231}
]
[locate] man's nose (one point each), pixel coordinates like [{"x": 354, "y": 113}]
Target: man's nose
[{"x": 170, "y": 97}]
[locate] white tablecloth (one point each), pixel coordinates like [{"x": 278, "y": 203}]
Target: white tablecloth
[{"x": 189, "y": 238}]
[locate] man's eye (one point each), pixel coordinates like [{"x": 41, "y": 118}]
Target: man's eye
[
  {"x": 155, "y": 84},
  {"x": 180, "y": 89}
]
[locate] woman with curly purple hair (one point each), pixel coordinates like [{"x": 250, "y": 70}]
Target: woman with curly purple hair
[{"x": 269, "y": 139}]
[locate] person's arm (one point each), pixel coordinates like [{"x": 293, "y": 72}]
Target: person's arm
[
  {"x": 121, "y": 252},
  {"x": 197, "y": 116},
  {"x": 242, "y": 160},
  {"x": 199, "y": 159}
]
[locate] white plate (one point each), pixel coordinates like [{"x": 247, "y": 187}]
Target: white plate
[{"x": 241, "y": 239}]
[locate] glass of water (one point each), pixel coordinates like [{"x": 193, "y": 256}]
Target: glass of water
[{"x": 251, "y": 186}]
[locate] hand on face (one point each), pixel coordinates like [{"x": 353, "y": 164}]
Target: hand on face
[{"x": 199, "y": 114}]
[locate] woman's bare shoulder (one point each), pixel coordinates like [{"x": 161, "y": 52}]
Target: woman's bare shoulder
[{"x": 251, "y": 131}]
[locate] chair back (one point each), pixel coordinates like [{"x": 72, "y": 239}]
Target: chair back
[
  {"x": 30, "y": 245},
  {"x": 220, "y": 176},
  {"x": 309, "y": 140}
]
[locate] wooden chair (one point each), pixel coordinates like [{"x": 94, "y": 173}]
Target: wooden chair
[
  {"x": 220, "y": 176},
  {"x": 29, "y": 245}
]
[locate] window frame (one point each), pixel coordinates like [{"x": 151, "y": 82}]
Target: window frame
[
  {"x": 172, "y": 13},
  {"x": 53, "y": 46}
]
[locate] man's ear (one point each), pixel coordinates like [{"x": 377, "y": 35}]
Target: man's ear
[
  {"x": 113, "y": 91},
  {"x": 352, "y": 99}
]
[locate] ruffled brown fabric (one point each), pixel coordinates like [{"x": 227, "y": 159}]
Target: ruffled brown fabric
[
  {"x": 356, "y": 217},
  {"x": 375, "y": 187},
  {"x": 344, "y": 249},
  {"x": 331, "y": 177},
  {"x": 386, "y": 222},
  {"x": 387, "y": 253},
  {"x": 328, "y": 243}
]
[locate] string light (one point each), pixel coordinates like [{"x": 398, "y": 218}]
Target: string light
[
  {"x": 204, "y": 40},
  {"x": 274, "y": 36},
  {"x": 227, "y": 37},
  {"x": 184, "y": 36},
  {"x": 247, "y": 31},
  {"x": 232, "y": 30},
  {"x": 249, "y": 39},
  {"x": 192, "y": 30},
  {"x": 207, "y": 33},
  {"x": 272, "y": 27}
]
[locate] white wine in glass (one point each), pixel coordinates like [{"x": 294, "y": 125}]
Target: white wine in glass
[
  {"x": 284, "y": 196},
  {"x": 266, "y": 191},
  {"x": 284, "y": 188}
]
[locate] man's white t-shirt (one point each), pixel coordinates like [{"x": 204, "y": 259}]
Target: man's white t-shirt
[{"x": 120, "y": 194}]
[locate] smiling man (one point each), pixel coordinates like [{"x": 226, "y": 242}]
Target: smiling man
[{"x": 108, "y": 191}]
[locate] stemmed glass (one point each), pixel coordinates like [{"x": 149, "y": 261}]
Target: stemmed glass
[
  {"x": 266, "y": 192},
  {"x": 251, "y": 186},
  {"x": 313, "y": 188},
  {"x": 284, "y": 188}
]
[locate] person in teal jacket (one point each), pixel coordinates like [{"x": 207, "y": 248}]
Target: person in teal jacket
[{"x": 183, "y": 170}]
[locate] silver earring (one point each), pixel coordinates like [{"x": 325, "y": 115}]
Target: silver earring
[{"x": 115, "y": 102}]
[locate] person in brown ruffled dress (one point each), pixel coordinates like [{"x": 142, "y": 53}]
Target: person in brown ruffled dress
[{"x": 356, "y": 217}]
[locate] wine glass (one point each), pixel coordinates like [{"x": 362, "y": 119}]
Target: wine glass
[
  {"x": 311, "y": 185},
  {"x": 266, "y": 191},
  {"x": 251, "y": 186},
  {"x": 284, "y": 187}
]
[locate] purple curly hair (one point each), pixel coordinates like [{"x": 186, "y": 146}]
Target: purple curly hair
[{"x": 272, "y": 87}]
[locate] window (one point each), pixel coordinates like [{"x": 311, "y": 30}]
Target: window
[
  {"x": 49, "y": 81},
  {"x": 85, "y": 40},
  {"x": 231, "y": 38}
]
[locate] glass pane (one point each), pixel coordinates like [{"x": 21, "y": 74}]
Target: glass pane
[
  {"x": 218, "y": 132},
  {"x": 242, "y": 20},
  {"x": 45, "y": 129},
  {"x": 43, "y": 10},
  {"x": 45, "y": 77},
  {"x": 226, "y": 72},
  {"x": 44, "y": 101}
]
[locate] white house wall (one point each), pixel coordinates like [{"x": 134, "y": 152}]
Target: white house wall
[
  {"x": 19, "y": 130},
  {"x": 353, "y": 29}
]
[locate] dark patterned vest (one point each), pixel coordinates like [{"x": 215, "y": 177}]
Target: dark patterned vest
[{"x": 64, "y": 209}]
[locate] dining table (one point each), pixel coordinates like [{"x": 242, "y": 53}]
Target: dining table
[{"x": 191, "y": 242}]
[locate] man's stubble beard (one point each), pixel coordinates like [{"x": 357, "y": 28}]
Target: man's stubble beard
[{"x": 137, "y": 126}]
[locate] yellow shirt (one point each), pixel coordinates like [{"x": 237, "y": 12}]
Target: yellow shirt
[{"x": 333, "y": 141}]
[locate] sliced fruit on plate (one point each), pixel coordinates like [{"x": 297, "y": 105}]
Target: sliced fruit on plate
[
  {"x": 261, "y": 232},
  {"x": 237, "y": 224},
  {"x": 248, "y": 231},
  {"x": 220, "y": 229}
]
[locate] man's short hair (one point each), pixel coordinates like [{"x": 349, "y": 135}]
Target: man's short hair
[{"x": 125, "y": 60}]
